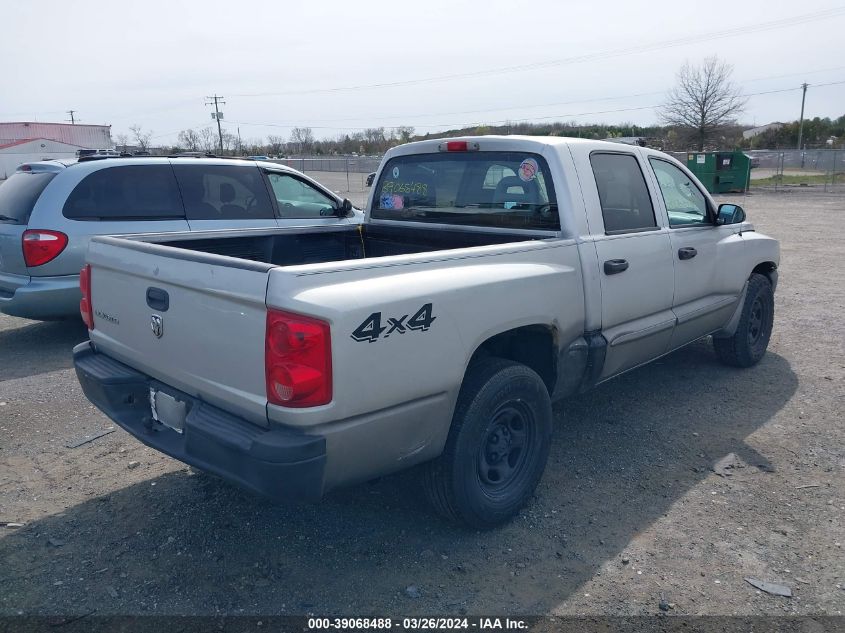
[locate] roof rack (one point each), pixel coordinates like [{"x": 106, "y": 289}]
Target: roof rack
[{"x": 85, "y": 159}]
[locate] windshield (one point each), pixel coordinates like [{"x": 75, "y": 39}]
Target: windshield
[
  {"x": 19, "y": 193},
  {"x": 499, "y": 189}
]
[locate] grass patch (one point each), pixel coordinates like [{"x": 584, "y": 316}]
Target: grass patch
[{"x": 800, "y": 179}]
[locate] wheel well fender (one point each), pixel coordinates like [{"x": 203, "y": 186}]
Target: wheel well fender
[
  {"x": 535, "y": 346},
  {"x": 769, "y": 270}
]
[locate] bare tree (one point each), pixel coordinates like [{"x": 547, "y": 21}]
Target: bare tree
[
  {"x": 230, "y": 143},
  {"x": 207, "y": 140},
  {"x": 276, "y": 144},
  {"x": 302, "y": 138},
  {"x": 142, "y": 139},
  {"x": 404, "y": 133},
  {"x": 190, "y": 140},
  {"x": 704, "y": 100},
  {"x": 122, "y": 141}
]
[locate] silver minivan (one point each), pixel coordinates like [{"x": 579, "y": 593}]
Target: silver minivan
[{"x": 49, "y": 209}]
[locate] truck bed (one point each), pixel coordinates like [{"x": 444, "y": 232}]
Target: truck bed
[{"x": 291, "y": 247}]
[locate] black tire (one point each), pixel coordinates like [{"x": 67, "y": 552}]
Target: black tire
[
  {"x": 748, "y": 344},
  {"x": 497, "y": 447}
]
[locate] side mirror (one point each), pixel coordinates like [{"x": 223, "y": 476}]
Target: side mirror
[
  {"x": 345, "y": 208},
  {"x": 730, "y": 214}
]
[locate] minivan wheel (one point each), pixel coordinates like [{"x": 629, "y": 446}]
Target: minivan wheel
[
  {"x": 497, "y": 447},
  {"x": 748, "y": 344}
]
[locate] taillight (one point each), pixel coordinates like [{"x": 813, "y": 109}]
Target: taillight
[
  {"x": 41, "y": 246},
  {"x": 86, "y": 307},
  {"x": 297, "y": 360}
]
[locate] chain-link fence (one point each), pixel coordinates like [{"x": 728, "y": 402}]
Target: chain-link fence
[
  {"x": 816, "y": 170},
  {"x": 351, "y": 164},
  {"x": 811, "y": 170}
]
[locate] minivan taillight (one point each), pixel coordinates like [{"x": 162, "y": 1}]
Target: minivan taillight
[
  {"x": 86, "y": 307},
  {"x": 297, "y": 360},
  {"x": 41, "y": 246}
]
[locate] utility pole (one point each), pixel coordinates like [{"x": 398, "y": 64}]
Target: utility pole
[
  {"x": 801, "y": 124},
  {"x": 217, "y": 115},
  {"x": 72, "y": 119}
]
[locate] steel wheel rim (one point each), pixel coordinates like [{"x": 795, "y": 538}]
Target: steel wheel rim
[
  {"x": 506, "y": 448},
  {"x": 756, "y": 321}
]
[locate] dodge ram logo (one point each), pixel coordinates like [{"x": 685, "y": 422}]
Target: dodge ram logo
[{"x": 157, "y": 325}]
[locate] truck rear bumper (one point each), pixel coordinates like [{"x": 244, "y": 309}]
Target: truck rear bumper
[{"x": 277, "y": 463}]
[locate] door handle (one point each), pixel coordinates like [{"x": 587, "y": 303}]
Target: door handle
[
  {"x": 687, "y": 252},
  {"x": 615, "y": 266}
]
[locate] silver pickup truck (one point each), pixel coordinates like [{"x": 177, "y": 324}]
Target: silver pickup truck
[{"x": 492, "y": 276}]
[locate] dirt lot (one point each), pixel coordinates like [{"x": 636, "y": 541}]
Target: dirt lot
[{"x": 629, "y": 510}]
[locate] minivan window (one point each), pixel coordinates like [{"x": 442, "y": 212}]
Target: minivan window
[
  {"x": 499, "y": 189},
  {"x": 298, "y": 199},
  {"x": 19, "y": 193},
  {"x": 625, "y": 203},
  {"x": 223, "y": 192},
  {"x": 123, "y": 193}
]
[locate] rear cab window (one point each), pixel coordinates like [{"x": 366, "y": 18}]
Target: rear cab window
[
  {"x": 124, "y": 193},
  {"x": 19, "y": 193},
  {"x": 223, "y": 192},
  {"x": 511, "y": 190}
]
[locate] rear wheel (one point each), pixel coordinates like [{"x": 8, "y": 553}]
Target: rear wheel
[
  {"x": 748, "y": 344},
  {"x": 497, "y": 446}
]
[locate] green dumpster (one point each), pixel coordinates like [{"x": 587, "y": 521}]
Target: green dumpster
[{"x": 721, "y": 172}]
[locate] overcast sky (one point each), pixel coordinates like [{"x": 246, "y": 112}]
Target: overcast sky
[{"x": 323, "y": 64}]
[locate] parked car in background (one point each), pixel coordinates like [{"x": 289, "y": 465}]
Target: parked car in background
[
  {"x": 49, "y": 210},
  {"x": 103, "y": 153}
]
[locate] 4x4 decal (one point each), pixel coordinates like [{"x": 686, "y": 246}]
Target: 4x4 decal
[{"x": 372, "y": 329}]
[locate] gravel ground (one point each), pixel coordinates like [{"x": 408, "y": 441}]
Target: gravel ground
[{"x": 628, "y": 513}]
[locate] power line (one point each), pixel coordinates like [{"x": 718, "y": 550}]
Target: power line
[
  {"x": 72, "y": 119},
  {"x": 407, "y": 117},
  {"x": 526, "y": 119},
  {"x": 656, "y": 46}
]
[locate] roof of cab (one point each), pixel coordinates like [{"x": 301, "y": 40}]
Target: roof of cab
[{"x": 502, "y": 141}]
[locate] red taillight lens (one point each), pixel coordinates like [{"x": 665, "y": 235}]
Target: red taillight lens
[
  {"x": 41, "y": 246},
  {"x": 297, "y": 360},
  {"x": 86, "y": 307}
]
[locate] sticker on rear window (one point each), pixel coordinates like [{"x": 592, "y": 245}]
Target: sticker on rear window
[
  {"x": 391, "y": 201},
  {"x": 396, "y": 172},
  {"x": 528, "y": 169}
]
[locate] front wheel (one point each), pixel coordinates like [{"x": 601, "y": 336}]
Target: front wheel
[
  {"x": 497, "y": 446},
  {"x": 748, "y": 344}
]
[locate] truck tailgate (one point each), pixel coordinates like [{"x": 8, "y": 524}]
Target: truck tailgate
[{"x": 193, "y": 321}]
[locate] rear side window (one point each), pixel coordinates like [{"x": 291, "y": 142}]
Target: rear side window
[
  {"x": 223, "y": 192},
  {"x": 625, "y": 203},
  {"x": 123, "y": 193},
  {"x": 19, "y": 194},
  {"x": 500, "y": 189}
]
